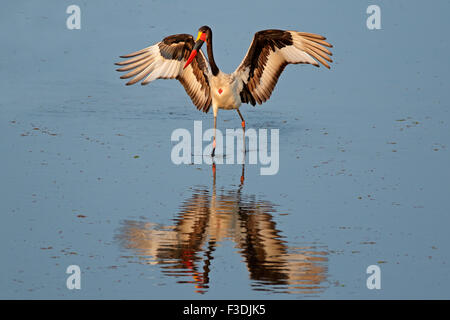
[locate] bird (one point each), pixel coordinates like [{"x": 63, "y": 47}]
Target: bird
[{"x": 180, "y": 57}]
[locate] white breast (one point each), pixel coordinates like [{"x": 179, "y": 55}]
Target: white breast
[{"x": 224, "y": 91}]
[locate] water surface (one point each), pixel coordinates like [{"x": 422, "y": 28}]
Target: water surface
[{"x": 86, "y": 177}]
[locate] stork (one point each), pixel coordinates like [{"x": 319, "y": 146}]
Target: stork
[{"x": 179, "y": 57}]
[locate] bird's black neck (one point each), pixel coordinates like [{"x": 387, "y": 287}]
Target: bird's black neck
[{"x": 209, "y": 49}]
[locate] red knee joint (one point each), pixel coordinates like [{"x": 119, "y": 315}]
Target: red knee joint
[
  {"x": 243, "y": 124},
  {"x": 214, "y": 143}
]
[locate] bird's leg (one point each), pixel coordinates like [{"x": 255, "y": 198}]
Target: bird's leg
[
  {"x": 214, "y": 142},
  {"x": 242, "y": 118},
  {"x": 243, "y": 127}
]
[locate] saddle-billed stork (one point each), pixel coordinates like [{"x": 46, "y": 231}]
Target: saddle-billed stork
[{"x": 179, "y": 57}]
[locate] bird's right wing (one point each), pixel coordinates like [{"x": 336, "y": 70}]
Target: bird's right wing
[{"x": 165, "y": 60}]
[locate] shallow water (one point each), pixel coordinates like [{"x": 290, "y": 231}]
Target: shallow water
[{"x": 87, "y": 179}]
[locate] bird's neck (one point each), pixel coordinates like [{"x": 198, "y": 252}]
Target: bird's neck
[{"x": 212, "y": 62}]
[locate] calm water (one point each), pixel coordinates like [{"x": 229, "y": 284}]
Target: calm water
[{"x": 86, "y": 177}]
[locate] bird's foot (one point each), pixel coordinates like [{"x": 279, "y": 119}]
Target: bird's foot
[{"x": 214, "y": 148}]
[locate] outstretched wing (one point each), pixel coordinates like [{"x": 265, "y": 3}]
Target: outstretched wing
[
  {"x": 268, "y": 55},
  {"x": 165, "y": 60}
]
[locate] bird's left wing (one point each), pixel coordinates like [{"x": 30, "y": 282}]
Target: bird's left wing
[
  {"x": 268, "y": 55},
  {"x": 165, "y": 60}
]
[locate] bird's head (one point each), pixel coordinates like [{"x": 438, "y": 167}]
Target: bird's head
[{"x": 202, "y": 36}]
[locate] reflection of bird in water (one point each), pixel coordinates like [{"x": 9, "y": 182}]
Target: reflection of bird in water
[{"x": 209, "y": 218}]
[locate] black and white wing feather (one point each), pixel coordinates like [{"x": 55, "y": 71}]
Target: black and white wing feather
[
  {"x": 165, "y": 60},
  {"x": 268, "y": 55}
]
